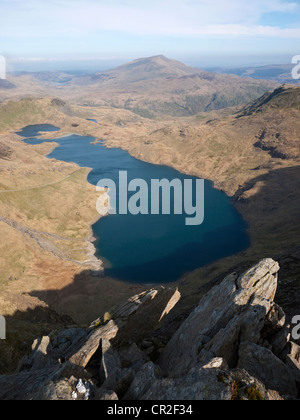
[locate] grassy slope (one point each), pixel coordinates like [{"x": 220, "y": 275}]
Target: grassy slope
[
  {"x": 217, "y": 146},
  {"x": 254, "y": 158},
  {"x": 44, "y": 233},
  {"x": 150, "y": 87}
]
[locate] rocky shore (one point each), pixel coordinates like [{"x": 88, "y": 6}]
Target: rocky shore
[{"x": 235, "y": 345}]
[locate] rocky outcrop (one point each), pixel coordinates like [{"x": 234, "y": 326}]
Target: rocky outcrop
[
  {"x": 231, "y": 313},
  {"x": 213, "y": 381},
  {"x": 107, "y": 349},
  {"x": 235, "y": 345},
  {"x": 239, "y": 322}
]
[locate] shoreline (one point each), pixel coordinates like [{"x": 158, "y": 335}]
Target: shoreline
[
  {"x": 73, "y": 291},
  {"x": 96, "y": 263},
  {"x": 205, "y": 275},
  {"x": 91, "y": 239}
]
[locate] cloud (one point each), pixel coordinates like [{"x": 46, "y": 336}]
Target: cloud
[
  {"x": 250, "y": 31},
  {"x": 37, "y": 18}
]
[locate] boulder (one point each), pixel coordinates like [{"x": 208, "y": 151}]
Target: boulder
[
  {"x": 293, "y": 362},
  {"x": 105, "y": 395},
  {"x": 82, "y": 353},
  {"x": 110, "y": 366},
  {"x": 279, "y": 341},
  {"x": 143, "y": 313},
  {"x": 235, "y": 310},
  {"x": 142, "y": 382},
  {"x": 213, "y": 382},
  {"x": 39, "y": 358},
  {"x": 133, "y": 357},
  {"x": 128, "y": 324},
  {"x": 265, "y": 366},
  {"x": 57, "y": 382},
  {"x": 233, "y": 346}
]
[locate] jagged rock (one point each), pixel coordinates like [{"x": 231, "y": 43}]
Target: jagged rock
[
  {"x": 133, "y": 357},
  {"x": 54, "y": 349},
  {"x": 110, "y": 367},
  {"x": 105, "y": 395},
  {"x": 211, "y": 382},
  {"x": 48, "y": 383},
  {"x": 38, "y": 359},
  {"x": 74, "y": 349},
  {"x": 225, "y": 343},
  {"x": 275, "y": 320},
  {"x": 293, "y": 361},
  {"x": 129, "y": 323},
  {"x": 217, "y": 363},
  {"x": 279, "y": 341},
  {"x": 67, "y": 389},
  {"x": 143, "y": 313},
  {"x": 236, "y": 310},
  {"x": 162, "y": 300},
  {"x": 65, "y": 340},
  {"x": 87, "y": 347},
  {"x": 234, "y": 345},
  {"x": 265, "y": 366},
  {"x": 60, "y": 391},
  {"x": 142, "y": 382},
  {"x": 295, "y": 351},
  {"x": 198, "y": 384},
  {"x": 245, "y": 387},
  {"x": 118, "y": 369}
]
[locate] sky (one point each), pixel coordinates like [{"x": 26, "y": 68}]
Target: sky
[{"x": 51, "y": 33}]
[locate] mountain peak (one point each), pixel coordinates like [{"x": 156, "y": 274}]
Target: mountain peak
[
  {"x": 154, "y": 58},
  {"x": 154, "y": 67}
]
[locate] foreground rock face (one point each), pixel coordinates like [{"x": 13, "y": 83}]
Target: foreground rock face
[
  {"x": 234, "y": 345},
  {"x": 231, "y": 313}
]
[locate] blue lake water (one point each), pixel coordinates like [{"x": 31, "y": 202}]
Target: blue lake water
[
  {"x": 151, "y": 248},
  {"x": 35, "y": 130}
]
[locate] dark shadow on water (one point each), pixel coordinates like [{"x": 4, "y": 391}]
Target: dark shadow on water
[
  {"x": 152, "y": 248},
  {"x": 225, "y": 242},
  {"x": 278, "y": 207}
]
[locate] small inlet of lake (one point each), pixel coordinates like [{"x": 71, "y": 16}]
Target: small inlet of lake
[{"x": 149, "y": 248}]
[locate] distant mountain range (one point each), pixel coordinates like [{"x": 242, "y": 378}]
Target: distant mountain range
[
  {"x": 5, "y": 84},
  {"x": 159, "y": 86},
  {"x": 281, "y": 73},
  {"x": 149, "y": 87}
]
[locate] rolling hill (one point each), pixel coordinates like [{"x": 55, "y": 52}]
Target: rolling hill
[
  {"x": 150, "y": 87},
  {"x": 281, "y": 73},
  {"x": 251, "y": 153},
  {"x": 158, "y": 86}
]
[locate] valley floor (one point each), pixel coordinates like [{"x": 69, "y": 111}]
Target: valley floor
[{"x": 46, "y": 254}]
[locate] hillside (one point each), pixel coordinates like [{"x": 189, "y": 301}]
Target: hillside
[
  {"x": 150, "y": 87},
  {"x": 278, "y": 73},
  {"x": 285, "y": 97},
  {"x": 46, "y": 210},
  {"x": 244, "y": 352},
  {"x": 254, "y": 158},
  {"x": 159, "y": 86},
  {"x": 145, "y": 69},
  {"x": 5, "y": 84}
]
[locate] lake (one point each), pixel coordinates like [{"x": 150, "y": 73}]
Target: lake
[{"x": 150, "y": 248}]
